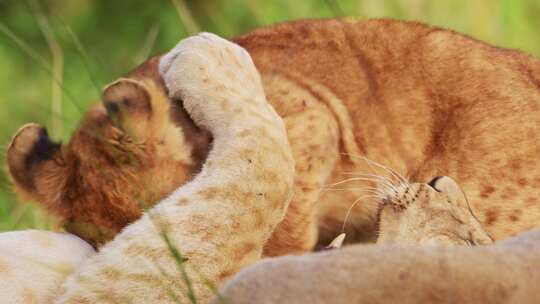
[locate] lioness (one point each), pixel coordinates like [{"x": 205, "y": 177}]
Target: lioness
[{"x": 423, "y": 101}]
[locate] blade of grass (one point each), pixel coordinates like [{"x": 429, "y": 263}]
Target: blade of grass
[
  {"x": 180, "y": 260},
  {"x": 186, "y": 17},
  {"x": 98, "y": 85},
  {"x": 177, "y": 256},
  {"x": 37, "y": 58},
  {"x": 171, "y": 292},
  {"x": 47, "y": 68},
  {"x": 335, "y": 7},
  {"x": 57, "y": 68},
  {"x": 148, "y": 45}
]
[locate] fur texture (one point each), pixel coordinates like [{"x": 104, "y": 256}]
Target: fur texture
[
  {"x": 128, "y": 153},
  {"x": 506, "y": 272},
  {"x": 422, "y": 100},
  {"x": 434, "y": 213},
  {"x": 221, "y": 219},
  {"x": 33, "y": 264}
]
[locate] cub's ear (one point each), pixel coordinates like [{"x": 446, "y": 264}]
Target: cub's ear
[
  {"x": 451, "y": 188},
  {"x": 128, "y": 104},
  {"x": 30, "y": 157}
]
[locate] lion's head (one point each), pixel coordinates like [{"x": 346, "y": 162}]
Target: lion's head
[
  {"x": 434, "y": 213},
  {"x": 130, "y": 150}
]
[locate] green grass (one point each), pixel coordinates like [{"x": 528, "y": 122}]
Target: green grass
[{"x": 102, "y": 40}]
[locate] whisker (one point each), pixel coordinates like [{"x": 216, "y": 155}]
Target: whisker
[
  {"x": 384, "y": 180},
  {"x": 367, "y": 175},
  {"x": 372, "y": 191},
  {"x": 363, "y": 188},
  {"x": 347, "y": 215},
  {"x": 389, "y": 170},
  {"x": 351, "y": 180}
]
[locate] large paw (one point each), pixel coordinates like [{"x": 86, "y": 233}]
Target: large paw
[{"x": 205, "y": 69}]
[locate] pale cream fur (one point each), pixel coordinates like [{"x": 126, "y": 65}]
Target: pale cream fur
[
  {"x": 506, "y": 272},
  {"x": 210, "y": 219},
  {"x": 34, "y": 263}
]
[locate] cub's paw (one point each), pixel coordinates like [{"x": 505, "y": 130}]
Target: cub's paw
[{"x": 436, "y": 212}]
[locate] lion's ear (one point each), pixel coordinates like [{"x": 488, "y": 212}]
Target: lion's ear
[
  {"x": 128, "y": 104},
  {"x": 31, "y": 157}
]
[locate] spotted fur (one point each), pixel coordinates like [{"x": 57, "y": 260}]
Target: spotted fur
[
  {"x": 210, "y": 219},
  {"x": 403, "y": 94},
  {"x": 424, "y": 101}
]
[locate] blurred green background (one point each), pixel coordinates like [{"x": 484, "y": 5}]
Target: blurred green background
[{"x": 89, "y": 43}]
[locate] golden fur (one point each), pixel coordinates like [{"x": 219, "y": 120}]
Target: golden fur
[
  {"x": 127, "y": 154},
  {"x": 421, "y": 100},
  {"x": 424, "y": 101},
  {"x": 218, "y": 221}
]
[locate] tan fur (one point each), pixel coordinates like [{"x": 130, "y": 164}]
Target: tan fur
[
  {"x": 506, "y": 272},
  {"x": 210, "y": 220},
  {"x": 421, "y": 100},
  {"x": 438, "y": 213},
  {"x": 424, "y": 101}
]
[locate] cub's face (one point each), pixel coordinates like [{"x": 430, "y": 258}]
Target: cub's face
[
  {"x": 433, "y": 213},
  {"x": 130, "y": 151}
]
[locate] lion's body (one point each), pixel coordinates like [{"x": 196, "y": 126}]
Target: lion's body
[
  {"x": 423, "y": 101},
  {"x": 506, "y": 272}
]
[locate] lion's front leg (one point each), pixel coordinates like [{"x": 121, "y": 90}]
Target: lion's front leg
[{"x": 219, "y": 221}]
